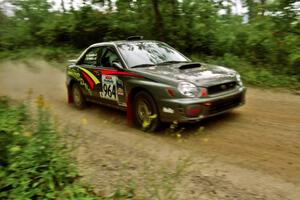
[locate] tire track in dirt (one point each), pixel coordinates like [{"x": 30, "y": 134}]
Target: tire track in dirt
[{"x": 250, "y": 153}]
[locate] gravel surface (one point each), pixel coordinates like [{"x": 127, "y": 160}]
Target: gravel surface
[{"x": 250, "y": 153}]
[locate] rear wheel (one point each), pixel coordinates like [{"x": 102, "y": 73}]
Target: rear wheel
[
  {"x": 79, "y": 100},
  {"x": 145, "y": 112}
]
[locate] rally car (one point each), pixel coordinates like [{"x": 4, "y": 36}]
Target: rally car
[{"x": 153, "y": 82}]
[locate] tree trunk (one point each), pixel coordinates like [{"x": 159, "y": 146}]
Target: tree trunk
[
  {"x": 72, "y": 5},
  {"x": 263, "y": 7},
  {"x": 251, "y": 9},
  {"x": 159, "y": 24},
  {"x": 62, "y": 4}
]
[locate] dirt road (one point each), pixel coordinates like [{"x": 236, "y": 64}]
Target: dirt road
[{"x": 250, "y": 153}]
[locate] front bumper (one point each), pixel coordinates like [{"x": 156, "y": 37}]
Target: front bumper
[{"x": 196, "y": 109}]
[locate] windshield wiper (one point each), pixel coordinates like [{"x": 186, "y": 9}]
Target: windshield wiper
[
  {"x": 142, "y": 65},
  {"x": 172, "y": 62}
]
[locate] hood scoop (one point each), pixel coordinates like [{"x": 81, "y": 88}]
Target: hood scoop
[{"x": 190, "y": 66}]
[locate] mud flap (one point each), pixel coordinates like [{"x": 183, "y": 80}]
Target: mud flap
[{"x": 70, "y": 96}]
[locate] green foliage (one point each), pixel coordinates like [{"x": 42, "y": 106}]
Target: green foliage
[
  {"x": 33, "y": 162},
  {"x": 267, "y": 36}
]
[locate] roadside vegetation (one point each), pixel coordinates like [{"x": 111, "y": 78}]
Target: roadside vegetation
[
  {"x": 262, "y": 42},
  {"x": 34, "y": 163},
  {"x": 38, "y": 162}
]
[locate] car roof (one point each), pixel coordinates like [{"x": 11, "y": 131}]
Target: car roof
[{"x": 122, "y": 42}]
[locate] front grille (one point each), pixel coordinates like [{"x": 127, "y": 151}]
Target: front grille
[
  {"x": 224, "y": 104},
  {"x": 221, "y": 87}
]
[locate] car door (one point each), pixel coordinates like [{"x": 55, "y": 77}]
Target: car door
[{"x": 112, "y": 90}]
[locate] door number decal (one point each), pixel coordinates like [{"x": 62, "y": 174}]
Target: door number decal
[{"x": 109, "y": 87}]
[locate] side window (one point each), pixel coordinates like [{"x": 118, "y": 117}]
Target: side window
[
  {"x": 109, "y": 56},
  {"x": 92, "y": 56}
]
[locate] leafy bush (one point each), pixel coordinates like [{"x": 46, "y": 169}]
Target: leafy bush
[{"x": 33, "y": 162}]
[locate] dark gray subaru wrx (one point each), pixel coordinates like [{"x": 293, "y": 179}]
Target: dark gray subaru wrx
[{"x": 153, "y": 82}]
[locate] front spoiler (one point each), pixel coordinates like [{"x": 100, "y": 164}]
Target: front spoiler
[{"x": 175, "y": 109}]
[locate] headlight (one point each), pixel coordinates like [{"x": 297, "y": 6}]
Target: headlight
[
  {"x": 188, "y": 89},
  {"x": 239, "y": 80}
]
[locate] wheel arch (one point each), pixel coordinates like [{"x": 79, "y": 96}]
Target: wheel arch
[
  {"x": 130, "y": 98},
  {"x": 131, "y": 107}
]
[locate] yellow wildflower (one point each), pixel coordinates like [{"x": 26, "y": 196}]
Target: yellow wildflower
[{"x": 40, "y": 101}]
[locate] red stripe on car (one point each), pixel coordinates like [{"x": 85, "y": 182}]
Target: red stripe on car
[{"x": 115, "y": 72}]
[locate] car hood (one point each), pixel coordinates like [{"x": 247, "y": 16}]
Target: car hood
[{"x": 200, "y": 74}]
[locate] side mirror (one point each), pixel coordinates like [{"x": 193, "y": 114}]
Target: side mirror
[{"x": 117, "y": 65}]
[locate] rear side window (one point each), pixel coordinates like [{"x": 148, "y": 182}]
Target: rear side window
[{"x": 92, "y": 56}]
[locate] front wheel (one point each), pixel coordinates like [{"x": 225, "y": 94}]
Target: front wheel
[
  {"x": 146, "y": 115},
  {"x": 79, "y": 100}
]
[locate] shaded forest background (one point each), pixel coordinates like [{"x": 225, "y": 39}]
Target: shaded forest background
[{"x": 263, "y": 44}]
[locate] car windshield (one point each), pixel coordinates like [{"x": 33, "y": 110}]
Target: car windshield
[{"x": 144, "y": 54}]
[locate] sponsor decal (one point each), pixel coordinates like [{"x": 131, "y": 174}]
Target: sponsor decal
[
  {"x": 88, "y": 79},
  {"x": 120, "y": 92},
  {"x": 78, "y": 76},
  {"x": 109, "y": 90},
  {"x": 91, "y": 75},
  {"x": 120, "y": 87},
  {"x": 73, "y": 73},
  {"x": 168, "y": 110},
  {"x": 120, "y": 84},
  {"x": 108, "y": 77},
  {"x": 123, "y": 104}
]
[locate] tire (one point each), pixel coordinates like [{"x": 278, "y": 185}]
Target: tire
[
  {"x": 145, "y": 112},
  {"x": 79, "y": 100}
]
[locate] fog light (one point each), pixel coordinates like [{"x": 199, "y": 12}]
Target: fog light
[{"x": 193, "y": 111}]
